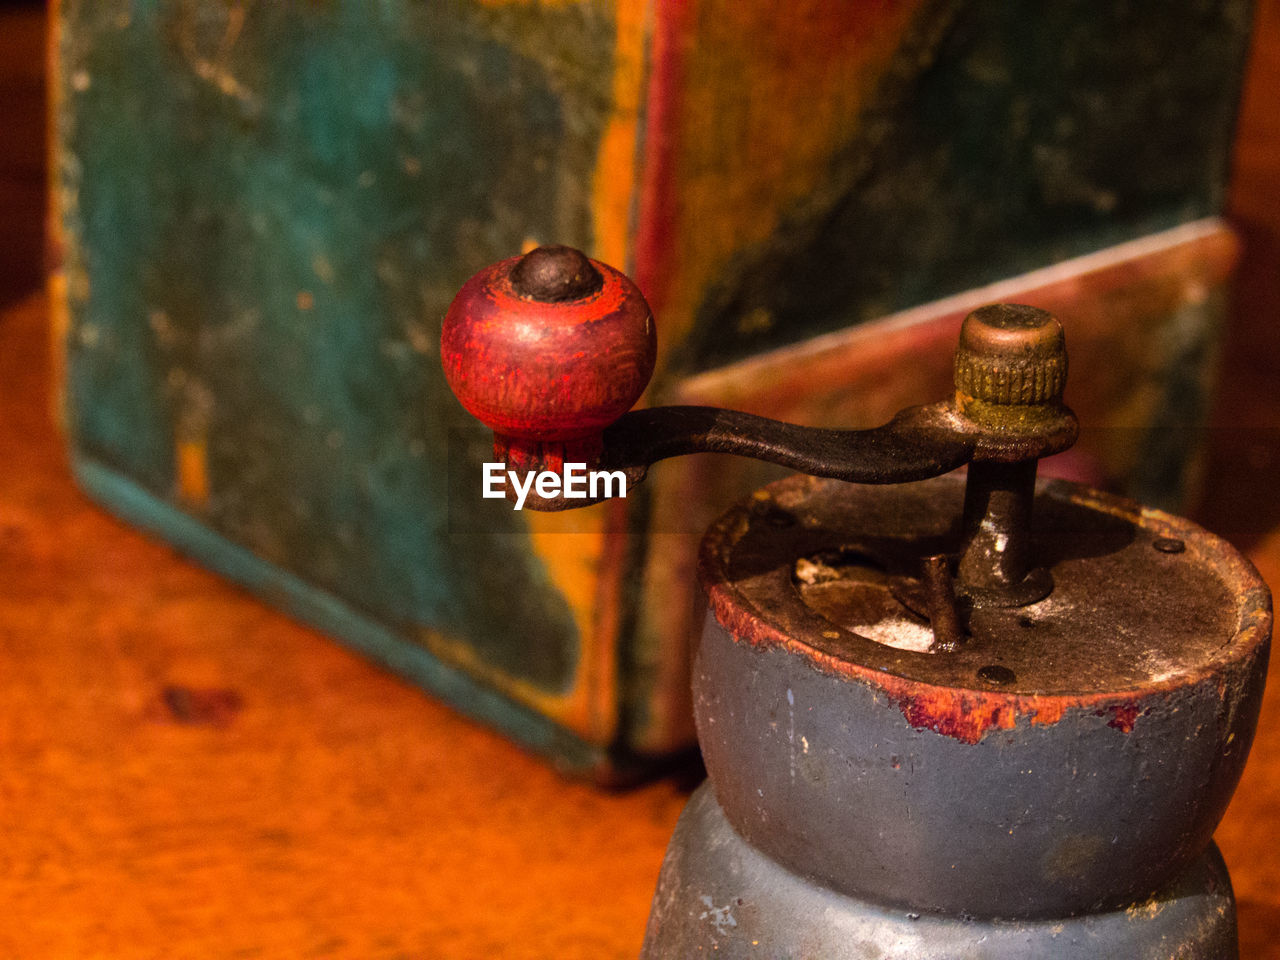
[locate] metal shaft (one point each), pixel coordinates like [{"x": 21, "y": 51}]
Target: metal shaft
[
  {"x": 940, "y": 597},
  {"x": 996, "y": 557}
]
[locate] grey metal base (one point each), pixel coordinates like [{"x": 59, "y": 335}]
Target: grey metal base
[{"x": 718, "y": 896}]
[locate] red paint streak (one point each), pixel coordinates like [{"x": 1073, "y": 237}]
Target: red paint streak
[
  {"x": 963, "y": 714},
  {"x": 1123, "y": 716},
  {"x": 656, "y": 224},
  {"x": 966, "y": 716}
]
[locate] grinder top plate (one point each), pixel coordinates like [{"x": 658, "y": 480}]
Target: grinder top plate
[{"x": 1141, "y": 598}]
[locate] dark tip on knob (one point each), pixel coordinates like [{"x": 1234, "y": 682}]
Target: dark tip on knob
[{"x": 555, "y": 274}]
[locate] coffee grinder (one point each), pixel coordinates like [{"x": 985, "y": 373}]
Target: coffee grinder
[{"x": 943, "y": 716}]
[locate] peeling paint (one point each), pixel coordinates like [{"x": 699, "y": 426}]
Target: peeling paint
[
  {"x": 1123, "y": 716},
  {"x": 967, "y": 711}
]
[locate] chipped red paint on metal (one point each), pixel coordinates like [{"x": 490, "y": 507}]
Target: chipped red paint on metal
[
  {"x": 1123, "y": 716},
  {"x": 965, "y": 715},
  {"x": 969, "y": 715},
  {"x": 560, "y": 372}
]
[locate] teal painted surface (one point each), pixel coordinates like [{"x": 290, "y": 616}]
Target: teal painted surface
[{"x": 272, "y": 217}]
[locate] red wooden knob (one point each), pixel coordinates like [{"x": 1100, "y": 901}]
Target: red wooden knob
[{"x": 548, "y": 349}]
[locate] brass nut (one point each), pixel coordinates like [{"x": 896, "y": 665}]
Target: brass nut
[
  {"x": 1010, "y": 355},
  {"x": 995, "y": 381}
]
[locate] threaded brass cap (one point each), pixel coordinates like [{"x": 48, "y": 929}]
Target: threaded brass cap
[{"x": 1010, "y": 355}]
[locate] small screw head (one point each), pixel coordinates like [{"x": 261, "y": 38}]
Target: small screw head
[
  {"x": 1168, "y": 545},
  {"x": 996, "y": 674}
]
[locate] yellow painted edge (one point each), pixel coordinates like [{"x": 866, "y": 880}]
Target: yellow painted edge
[
  {"x": 59, "y": 330},
  {"x": 192, "y": 457},
  {"x": 616, "y": 174},
  {"x": 588, "y": 704}
]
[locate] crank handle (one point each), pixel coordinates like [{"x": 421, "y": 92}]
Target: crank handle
[{"x": 551, "y": 350}]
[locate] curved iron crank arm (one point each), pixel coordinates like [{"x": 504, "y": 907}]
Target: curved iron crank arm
[{"x": 916, "y": 444}]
